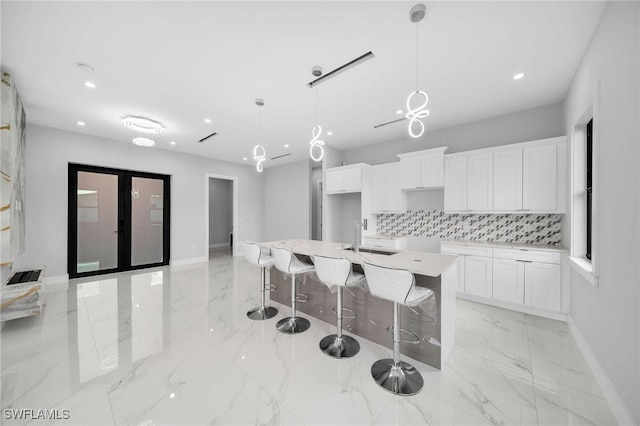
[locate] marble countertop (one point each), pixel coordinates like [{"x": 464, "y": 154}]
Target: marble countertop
[
  {"x": 418, "y": 262},
  {"x": 506, "y": 245},
  {"x": 383, "y": 237}
]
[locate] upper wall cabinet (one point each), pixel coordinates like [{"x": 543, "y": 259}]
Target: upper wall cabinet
[
  {"x": 422, "y": 169},
  {"x": 345, "y": 179},
  {"x": 520, "y": 178},
  {"x": 386, "y": 195}
]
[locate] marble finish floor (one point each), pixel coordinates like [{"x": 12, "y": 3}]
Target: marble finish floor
[{"x": 173, "y": 346}]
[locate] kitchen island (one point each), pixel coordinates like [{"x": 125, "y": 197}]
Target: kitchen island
[{"x": 433, "y": 322}]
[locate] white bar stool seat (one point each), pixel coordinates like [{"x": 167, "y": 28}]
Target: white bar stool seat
[
  {"x": 398, "y": 286},
  {"x": 256, "y": 256},
  {"x": 285, "y": 261},
  {"x": 337, "y": 272}
]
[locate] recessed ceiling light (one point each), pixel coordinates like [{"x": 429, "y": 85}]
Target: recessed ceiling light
[
  {"x": 399, "y": 112},
  {"x": 80, "y": 123},
  {"x": 207, "y": 120},
  {"x": 90, "y": 84},
  {"x": 172, "y": 142},
  {"x": 245, "y": 158},
  {"x": 518, "y": 76},
  {"x": 142, "y": 124},
  {"x": 329, "y": 133},
  {"x": 286, "y": 145},
  {"x": 146, "y": 142}
]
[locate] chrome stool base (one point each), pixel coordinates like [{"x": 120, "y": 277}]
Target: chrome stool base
[
  {"x": 293, "y": 325},
  {"x": 399, "y": 379},
  {"x": 339, "y": 347},
  {"x": 262, "y": 313}
]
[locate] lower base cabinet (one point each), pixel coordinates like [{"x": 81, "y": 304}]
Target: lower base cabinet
[{"x": 531, "y": 278}]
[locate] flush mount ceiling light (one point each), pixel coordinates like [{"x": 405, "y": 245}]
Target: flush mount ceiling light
[
  {"x": 414, "y": 115},
  {"x": 142, "y": 124},
  {"x": 146, "y": 142},
  {"x": 259, "y": 153}
]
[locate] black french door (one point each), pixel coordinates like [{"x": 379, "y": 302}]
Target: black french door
[{"x": 119, "y": 220}]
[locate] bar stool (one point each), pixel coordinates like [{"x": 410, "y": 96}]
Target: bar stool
[
  {"x": 398, "y": 286},
  {"x": 254, "y": 254},
  {"x": 337, "y": 272},
  {"x": 285, "y": 261}
]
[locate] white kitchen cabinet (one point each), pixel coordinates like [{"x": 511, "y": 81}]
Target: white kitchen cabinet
[
  {"x": 508, "y": 280},
  {"x": 539, "y": 179},
  {"x": 384, "y": 242},
  {"x": 344, "y": 179},
  {"x": 386, "y": 194},
  {"x": 478, "y": 272},
  {"x": 543, "y": 286},
  {"x": 455, "y": 183},
  {"x": 507, "y": 180},
  {"x": 480, "y": 182},
  {"x": 422, "y": 169}
]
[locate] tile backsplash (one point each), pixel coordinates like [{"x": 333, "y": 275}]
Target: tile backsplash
[{"x": 521, "y": 228}]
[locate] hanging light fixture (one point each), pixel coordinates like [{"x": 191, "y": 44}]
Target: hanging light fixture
[
  {"x": 316, "y": 151},
  {"x": 414, "y": 115},
  {"x": 259, "y": 153}
]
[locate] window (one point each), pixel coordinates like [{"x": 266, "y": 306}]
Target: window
[{"x": 589, "y": 188}]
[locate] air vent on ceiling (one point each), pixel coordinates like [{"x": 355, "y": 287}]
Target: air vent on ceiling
[
  {"x": 207, "y": 137},
  {"x": 342, "y": 68},
  {"x": 389, "y": 122},
  {"x": 280, "y": 156}
]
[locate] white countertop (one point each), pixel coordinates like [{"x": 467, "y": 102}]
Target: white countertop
[
  {"x": 417, "y": 262},
  {"x": 507, "y": 245}
]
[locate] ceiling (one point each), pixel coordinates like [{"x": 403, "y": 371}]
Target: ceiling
[{"x": 181, "y": 62}]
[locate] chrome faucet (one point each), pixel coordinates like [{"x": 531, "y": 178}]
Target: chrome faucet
[{"x": 362, "y": 224}]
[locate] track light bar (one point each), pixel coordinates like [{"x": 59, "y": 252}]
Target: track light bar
[
  {"x": 207, "y": 137},
  {"x": 357, "y": 61}
]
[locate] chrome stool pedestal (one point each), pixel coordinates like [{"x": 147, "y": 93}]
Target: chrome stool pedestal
[
  {"x": 253, "y": 253},
  {"x": 293, "y": 324}
]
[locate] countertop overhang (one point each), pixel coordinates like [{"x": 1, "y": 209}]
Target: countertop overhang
[{"x": 417, "y": 262}]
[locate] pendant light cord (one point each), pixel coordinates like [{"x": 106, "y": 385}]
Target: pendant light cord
[
  {"x": 417, "y": 55},
  {"x": 317, "y": 106}
]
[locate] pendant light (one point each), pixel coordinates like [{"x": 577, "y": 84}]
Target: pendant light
[
  {"x": 414, "y": 115},
  {"x": 316, "y": 151},
  {"x": 259, "y": 153}
]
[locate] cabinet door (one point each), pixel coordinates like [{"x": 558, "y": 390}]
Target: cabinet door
[
  {"x": 539, "y": 180},
  {"x": 455, "y": 184},
  {"x": 507, "y": 180},
  {"x": 432, "y": 168},
  {"x": 377, "y": 188},
  {"x": 478, "y": 275},
  {"x": 480, "y": 182},
  {"x": 351, "y": 180},
  {"x": 334, "y": 182},
  {"x": 394, "y": 199},
  {"x": 542, "y": 286},
  {"x": 461, "y": 277},
  {"x": 508, "y": 280},
  {"x": 411, "y": 175}
]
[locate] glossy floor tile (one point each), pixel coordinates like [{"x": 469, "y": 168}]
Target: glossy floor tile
[{"x": 173, "y": 346}]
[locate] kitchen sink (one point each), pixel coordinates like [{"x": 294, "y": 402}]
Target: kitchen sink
[{"x": 372, "y": 251}]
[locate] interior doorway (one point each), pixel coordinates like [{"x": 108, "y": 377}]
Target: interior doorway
[
  {"x": 222, "y": 213},
  {"x": 316, "y": 203},
  {"x": 119, "y": 220}
]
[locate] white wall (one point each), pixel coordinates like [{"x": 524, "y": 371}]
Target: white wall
[
  {"x": 220, "y": 211},
  {"x": 287, "y": 201},
  {"x": 48, "y": 153},
  {"x": 522, "y": 126},
  {"x": 608, "y": 316}
]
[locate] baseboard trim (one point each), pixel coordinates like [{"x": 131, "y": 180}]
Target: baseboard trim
[
  {"x": 219, "y": 245},
  {"x": 619, "y": 410},
  {"x": 189, "y": 261},
  {"x": 57, "y": 279},
  {"x": 559, "y": 316}
]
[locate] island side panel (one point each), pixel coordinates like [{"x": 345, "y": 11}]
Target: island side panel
[{"x": 374, "y": 315}]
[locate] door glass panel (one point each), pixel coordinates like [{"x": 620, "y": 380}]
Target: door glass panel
[
  {"x": 97, "y": 204},
  {"x": 147, "y": 203}
]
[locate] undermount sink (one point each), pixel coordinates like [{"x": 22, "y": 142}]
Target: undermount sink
[{"x": 372, "y": 251}]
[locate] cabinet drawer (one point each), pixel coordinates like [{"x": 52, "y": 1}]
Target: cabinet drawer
[
  {"x": 391, "y": 243},
  {"x": 466, "y": 250},
  {"x": 528, "y": 255}
]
